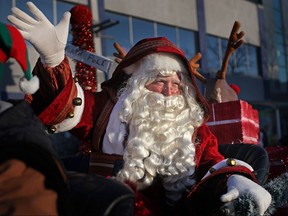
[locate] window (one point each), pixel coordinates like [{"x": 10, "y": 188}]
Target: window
[
  {"x": 233, "y": 61},
  {"x": 63, "y": 7},
  {"x": 253, "y": 60},
  {"x": 46, "y": 6},
  {"x": 167, "y": 31},
  {"x": 279, "y": 43},
  {"x": 187, "y": 42},
  {"x": 118, "y": 33},
  {"x": 243, "y": 61},
  {"x": 268, "y": 122},
  {"x": 130, "y": 30},
  {"x": 5, "y": 10},
  {"x": 213, "y": 55},
  {"x": 141, "y": 29}
]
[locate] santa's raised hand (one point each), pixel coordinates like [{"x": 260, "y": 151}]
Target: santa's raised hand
[{"x": 48, "y": 40}]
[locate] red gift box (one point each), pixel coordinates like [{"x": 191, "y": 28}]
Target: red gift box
[{"x": 234, "y": 122}]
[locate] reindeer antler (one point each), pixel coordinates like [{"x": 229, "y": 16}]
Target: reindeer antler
[
  {"x": 193, "y": 62},
  {"x": 121, "y": 53},
  {"x": 234, "y": 42},
  {"x": 194, "y": 66},
  {"x": 217, "y": 89}
]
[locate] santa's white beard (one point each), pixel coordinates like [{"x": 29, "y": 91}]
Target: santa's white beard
[{"x": 160, "y": 143}]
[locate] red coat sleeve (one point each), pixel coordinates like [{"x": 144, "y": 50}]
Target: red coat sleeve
[
  {"x": 52, "y": 82},
  {"x": 53, "y": 102},
  {"x": 54, "y": 99}
]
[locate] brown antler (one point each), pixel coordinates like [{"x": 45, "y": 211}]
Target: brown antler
[
  {"x": 217, "y": 89},
  {"x": 194, "y": 66},
  {"x": 234, "y": 42},
  {"x": 121, "y": 53}
]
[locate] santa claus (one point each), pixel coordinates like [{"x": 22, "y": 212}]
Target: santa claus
[{"x": 151, "y": 112}]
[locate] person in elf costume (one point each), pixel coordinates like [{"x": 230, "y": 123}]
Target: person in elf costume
[
  {"x": 32, "y": 181},
  {"x": 150, "y": 113}
]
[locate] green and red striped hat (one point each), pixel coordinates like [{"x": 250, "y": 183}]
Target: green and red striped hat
[{"x": 12, "y": 45}]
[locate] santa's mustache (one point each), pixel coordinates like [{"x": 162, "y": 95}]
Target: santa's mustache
[{"x": 160, "y": 102}]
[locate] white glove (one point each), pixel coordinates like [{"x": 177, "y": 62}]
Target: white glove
[
  {"x": 47, "y": 39},
  {"x": 239, "y": 185}
]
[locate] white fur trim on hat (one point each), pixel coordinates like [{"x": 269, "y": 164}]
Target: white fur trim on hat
[
  {"x": 158, "y": 61},
  {"x": 29, "y": 86}
]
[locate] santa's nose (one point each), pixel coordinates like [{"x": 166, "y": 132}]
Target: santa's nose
[{"x": 167, "y": 90}]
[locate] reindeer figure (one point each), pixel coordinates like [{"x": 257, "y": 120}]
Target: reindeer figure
[{"x": 217, "y": 89}]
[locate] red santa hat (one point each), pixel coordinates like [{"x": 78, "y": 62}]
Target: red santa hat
[
  {"x": 144, "y": 48},
  {"x": 13, "y": 45}
]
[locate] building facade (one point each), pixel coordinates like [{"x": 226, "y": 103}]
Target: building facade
[{"x": 259, "y": 67}]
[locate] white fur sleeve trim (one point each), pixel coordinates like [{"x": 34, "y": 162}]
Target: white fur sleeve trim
[
  {"x": 70, "y": 123},
  {"x": 223, "y": 163}
]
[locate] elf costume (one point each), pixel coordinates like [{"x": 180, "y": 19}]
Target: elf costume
[
  {"x": 33, "y": 178},
  {"x": 13, "y": 46}
]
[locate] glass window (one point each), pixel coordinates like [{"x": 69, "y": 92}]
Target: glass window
[
  {"x": 5, "y": 10},
  {"x": 213, "y": 55},
  {"x": 282, "y": 74},
  {"x": 281, "y": 58},
  {"x": 46, "y": 6},
  {"x": 141, "y": 29},
  {"x": 240, "y": 62},
  {"x": 232, "y": 63},
  {"x": 267, "y": 121},
  {"x": 167, "y": 31},
  {"x": 279, "y": 42},
  {"x": 253, "y": 60},
  {"x": 277, "y": 4},
  {"x": 187, "y": 42},
  {"x": 118, "y": 33},
  {"x": 63, "y": 7}
]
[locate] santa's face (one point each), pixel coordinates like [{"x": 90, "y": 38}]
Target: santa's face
[
  {"x": 160, "y": 131},
  {"x": 166, "y": 85},
  {"x": 153, "y": 123}
]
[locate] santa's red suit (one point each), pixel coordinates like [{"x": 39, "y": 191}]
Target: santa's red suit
[{"x": 60, "y": 100}]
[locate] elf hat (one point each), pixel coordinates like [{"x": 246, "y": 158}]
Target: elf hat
[{"x": 13, "y": 45}]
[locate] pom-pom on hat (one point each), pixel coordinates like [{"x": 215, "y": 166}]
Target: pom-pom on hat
[
  {"x": 13, "y": 45},
  {"x": 236, "y": 88}
]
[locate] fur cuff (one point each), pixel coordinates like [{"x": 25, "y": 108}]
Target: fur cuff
[
  {"x": 228, "y": 162},
  {"x": 70, "y": 123}
]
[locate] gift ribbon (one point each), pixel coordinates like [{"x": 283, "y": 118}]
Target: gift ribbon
[{"x": 231, "y": 121}]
